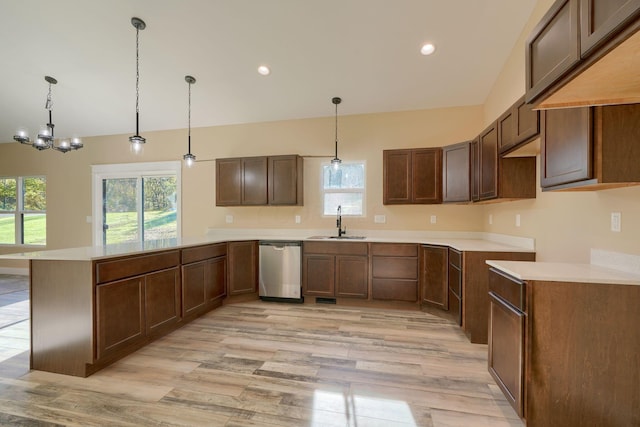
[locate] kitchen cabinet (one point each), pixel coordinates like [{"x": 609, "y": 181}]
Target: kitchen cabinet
[
  {"x": 242, "y": 261},
  {"x": 497, "y": 177},
  {"x": 394, "y": 272},
  {"x": 568, "y": 54},
  {"x": 517, "y": 126},
  {"x": 474, "y": 293},
  {"x": 412, "y": 176},
  {"x": 456, "y": 173},
  {"x": 434, "y": 278},
  {"x": 203, "y": 277},
  {"x": 259, "y": 181},
  {"x": 135, "y": 297},
  {"x": 566, "y": 364},
  {"x": 335, "y": 269},
  {"x": 454, "y": 285},
  {"x": 590, "y": 147},
  {"x": 506, "y": 337}
]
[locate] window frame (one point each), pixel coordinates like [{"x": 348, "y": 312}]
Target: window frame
[
  {"x": 19, "y": 212},
  {"x": 131, "y": 170},
  {"x": 324, "y": 190}
]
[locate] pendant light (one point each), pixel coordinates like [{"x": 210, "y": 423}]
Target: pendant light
[
  {"x": 335, "y": 162},
  {"x": 136, "y": 140},
  {"x": 45, "y": 138},
  {"x": 189, "y": 159}
]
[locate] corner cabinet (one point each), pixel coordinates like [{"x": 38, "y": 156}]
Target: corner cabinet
[
  {"x": 260, "y": 181},
  {"x": 517, "y": 126},
  {"x": 335, "y": 269},
  {"x": 456, "y": 173},
  {"x": 590, "y": 147},
  {"x": 412, "y": 176}
]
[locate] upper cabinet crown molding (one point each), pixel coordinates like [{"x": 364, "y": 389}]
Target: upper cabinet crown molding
[{"x": 584, "y": 52}]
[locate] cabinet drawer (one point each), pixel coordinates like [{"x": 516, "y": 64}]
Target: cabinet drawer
[
  {"x": 394, "y": 249},
  {"x": 335, "y": 248},
  {"x": 395, "y": 290},
  {"x": 507, "y": 288},
  {"x": 108, "y": 271},
  {"x": 395, "y": 267},
  {"x": 455, "y": 258},
  {"x": 201, "y": 253}
]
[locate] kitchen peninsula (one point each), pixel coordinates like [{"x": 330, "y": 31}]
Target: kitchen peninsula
[{"x": 91, "y": 306}]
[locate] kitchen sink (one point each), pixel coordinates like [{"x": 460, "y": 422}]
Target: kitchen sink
[{"x": 339, "y": 238}]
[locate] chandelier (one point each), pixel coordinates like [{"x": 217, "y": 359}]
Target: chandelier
[{"x": 45, "y": 138}]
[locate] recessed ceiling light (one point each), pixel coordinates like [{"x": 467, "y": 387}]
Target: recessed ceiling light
[
  {"x": 264, "y": 70},
  {"x": 427, "y": 49}
]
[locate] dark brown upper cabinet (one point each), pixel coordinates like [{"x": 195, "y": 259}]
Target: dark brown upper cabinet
[
  {"x": 456, "y": 173},
  {"x": 412, "y": 176},
  {"x": 584, "y": 52},
  {"x": 259, "y": 181},
  {"x": 495, "y": 177},
  {"x": 590, "y": 147},
  {"x": 517, "y": 126}
]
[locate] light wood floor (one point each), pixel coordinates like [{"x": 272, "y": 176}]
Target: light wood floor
[{"x": 263, "y": 364}]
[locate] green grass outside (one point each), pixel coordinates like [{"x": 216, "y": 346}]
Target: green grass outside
[{"x": 122, "y": 227}]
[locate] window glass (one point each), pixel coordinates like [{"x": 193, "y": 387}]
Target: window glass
[
  {"x": 344, "y": 187},
  {"x": 34, "y": 193},
  {"x": 34, "y": 231},
  {"x": 23, "y": 220},
  {"x": 7, "y": 229},
  {"x": 8, "y": 194}
]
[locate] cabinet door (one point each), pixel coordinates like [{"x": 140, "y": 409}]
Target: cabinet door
[
  {"x": 318, "y": 275},
  {"x": 396, "y": 170},
  {"x": 506, "y": 350},
  {"x": 434, "y": 277},
  {"x": 488, "y": 147},
  {"x": 352, "y": 273},
  {"x": 527, "y": 121},
  {"x": 475, "y": 170},
  {"x": 228, "y": 182},
  {"x": 456, "y": 173},
  {"x": 552, "y": 48},
  {"x": 600, "y": 19},
  {"x": 426, "y": 167},
  {"x": 120, "y": 315},
  {"x": 566, "y": 146},
  {"x": 254, "y": 181},
  {"x": 215, "y": 279},
  {"x": 506, "y": 130},
  {"x": 285, "y": 180},
  {"x": 193, "y": 287},
  {"x": 455, "y": 285},
  {"x": 242, "y": 258},
  {"x": 162, "y": 299}
]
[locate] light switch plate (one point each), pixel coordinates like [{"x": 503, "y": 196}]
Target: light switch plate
[
  {"x": 229, "y": 219},
  {"x": 433, "y": 219},
  {"x": 379, "y": 219},
  {"x": 297, "y": 219},
  {"x": 517, "y": 220}
]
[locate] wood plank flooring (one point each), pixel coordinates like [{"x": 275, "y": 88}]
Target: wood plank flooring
[{"x": 273, "y": 364}]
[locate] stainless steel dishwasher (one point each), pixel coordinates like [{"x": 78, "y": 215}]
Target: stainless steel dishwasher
[{"x": 280, "y": 265}]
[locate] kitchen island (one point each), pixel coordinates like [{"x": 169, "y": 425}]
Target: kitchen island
[{"x": 93, "y": 305}]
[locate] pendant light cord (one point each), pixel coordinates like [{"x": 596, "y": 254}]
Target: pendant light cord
[
  {"x": 189, "y": 134},
  {"x": 336, "y": 131}
]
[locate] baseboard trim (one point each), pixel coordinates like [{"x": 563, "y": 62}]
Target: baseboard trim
[{"x": 16, "y": 271}]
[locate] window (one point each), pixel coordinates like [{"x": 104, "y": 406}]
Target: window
[
  {"x": 136, "y": 202},
  {"x": 23, "y": 206},
  {"x": 343, "y": 187}
]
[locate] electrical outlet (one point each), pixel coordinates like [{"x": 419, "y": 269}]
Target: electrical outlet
[
  {"x": 229, "y": 219},
  {"x": 297, "y": 219},
  {"x": 379, "y": 219},
  {"x": 517, "y": 220},
  {"x": 616, "y": 221},
  {"x": 89, "y": 219},
  {"x": 434, "y": 219},
  {"x": 490, "y": 219}
]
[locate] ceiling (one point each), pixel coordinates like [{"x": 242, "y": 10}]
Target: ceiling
[{"x": 365, "y": 51}]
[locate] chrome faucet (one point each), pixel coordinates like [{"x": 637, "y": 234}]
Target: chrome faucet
[{"x": 341, "y": 232}]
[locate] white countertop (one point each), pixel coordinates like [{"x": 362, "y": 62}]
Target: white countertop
[
  {"x": 564, "y": 272},
  {"x": 462, "y": 241}
]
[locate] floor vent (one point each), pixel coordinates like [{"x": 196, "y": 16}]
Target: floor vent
[{"x": 325, "y": 300}]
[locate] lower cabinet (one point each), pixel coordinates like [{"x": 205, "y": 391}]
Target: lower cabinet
[
  {"x": 434, "y": 276},
  {"x": 394, "y": 272},
  {"x": 335, "y": 269},
  {"x": 203, "y": 277},
  {"x": 242, "y": 260},
  {"x": 162, "y": 299},
  {"x": 506, "y": 338},
  {"x": 454, "y": 285}
]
